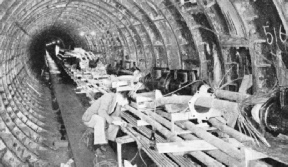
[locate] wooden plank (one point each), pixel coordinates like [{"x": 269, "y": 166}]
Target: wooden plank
[
  {"x": 124, "y": 139},
  {"x": 124, "y": 88},
  {"x": 246, "y": 83},
  {"x": 251, "y": 155},
  {"x": 141, "y": 98},
  {"x": 181, "y": 116},
  {"x": 142, "y": 123},
  {"x": 117, "y": 84},
  {"x": 120, "y": 141},
  {"x": 184, "y": 146}
]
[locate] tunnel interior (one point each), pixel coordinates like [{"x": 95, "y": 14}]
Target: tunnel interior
[
  {"x": 172, "y": 42},
  {"x": 46, "y": 40}
]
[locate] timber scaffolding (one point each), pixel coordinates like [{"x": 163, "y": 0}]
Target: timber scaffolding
[{"x": 179, "y": 143}]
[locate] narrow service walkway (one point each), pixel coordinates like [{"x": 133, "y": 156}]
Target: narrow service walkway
[{"x": 72, "y": 111}]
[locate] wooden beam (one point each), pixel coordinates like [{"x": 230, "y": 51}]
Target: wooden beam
[
  {"x": 142, "y": 123},
  {"x": 246, "y": 83},
  {"x": 184, "y": 146}
]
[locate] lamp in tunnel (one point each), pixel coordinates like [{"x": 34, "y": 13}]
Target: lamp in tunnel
[
  {"x": 82, "y": 33},
  {"x": 93, "y": 33}
]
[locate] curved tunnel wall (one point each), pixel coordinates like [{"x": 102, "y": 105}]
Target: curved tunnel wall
[
  {"x": 199, "y": 35},
  {"x": 217, "y": 38},
  {"x": 169, "y": 34}
]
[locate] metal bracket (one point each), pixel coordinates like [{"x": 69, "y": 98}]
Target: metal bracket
[
  {"x": 200, "y": 116},
  {"x": 194, "y": 114}
]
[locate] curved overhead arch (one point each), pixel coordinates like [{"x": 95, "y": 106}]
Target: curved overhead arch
[{"x": 173, "y": 42}]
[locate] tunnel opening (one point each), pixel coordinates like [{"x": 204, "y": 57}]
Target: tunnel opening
[{"x": 47, "y": 40}]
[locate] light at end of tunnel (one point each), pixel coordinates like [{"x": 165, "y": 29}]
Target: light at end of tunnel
[
  {"x": 93, "y": 33},
  {"x": 82, "y": 33}
]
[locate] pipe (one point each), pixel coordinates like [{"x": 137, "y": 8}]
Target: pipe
[
  {"x": 169, "y": 100},
  {"x": 220, "y": 144},
  {"x": 234, "y": 96},
  {"x": 230, "y": 131}
]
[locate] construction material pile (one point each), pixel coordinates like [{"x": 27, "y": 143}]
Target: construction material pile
[{"x": 201, "y": 126}]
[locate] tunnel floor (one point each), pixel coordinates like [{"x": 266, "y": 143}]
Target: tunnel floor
[{"x": 62, "y": 154}]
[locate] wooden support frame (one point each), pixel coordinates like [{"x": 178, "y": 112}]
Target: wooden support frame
[
  {"x": 249, "y": 153},
  {"x": 120, "y": 141}
]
